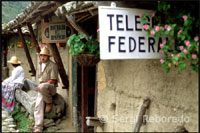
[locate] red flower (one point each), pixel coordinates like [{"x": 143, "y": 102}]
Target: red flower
[
  {"x": 30, "y": 127},
  {"x": 30, "y": 46},
  {"x": 20, "y": 43},
  {"x": 8, "y": 50}
]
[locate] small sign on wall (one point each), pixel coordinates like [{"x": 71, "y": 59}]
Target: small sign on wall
[
  {"x": 55, "y": 32},
  {"x": 122, "y": 35}
]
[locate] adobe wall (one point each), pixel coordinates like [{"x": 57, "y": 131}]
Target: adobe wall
[{"x": 123, "y": 84}]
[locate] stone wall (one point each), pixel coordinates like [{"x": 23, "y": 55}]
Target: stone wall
[
  {"x": 123, "y": 84},
  {"x": 8, "y": 123}
]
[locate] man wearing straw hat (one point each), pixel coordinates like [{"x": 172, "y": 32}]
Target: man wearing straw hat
[
  {"x": 9, "y": 85},
  {"x": 48, "y": 78}
]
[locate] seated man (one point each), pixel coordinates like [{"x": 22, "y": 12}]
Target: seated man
[{"x": 48, "y": 77}]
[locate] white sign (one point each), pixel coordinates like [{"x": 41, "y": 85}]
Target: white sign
[
  {"x": 54, "y": 32},
  {"x": 122, "y": 35},
  {"x": 57, "y": 32}
]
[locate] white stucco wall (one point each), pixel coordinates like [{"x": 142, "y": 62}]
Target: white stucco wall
[{"x": 123, "y": 84}]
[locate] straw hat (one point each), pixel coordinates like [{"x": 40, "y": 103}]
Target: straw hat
[
  {"x": 44, "y": 51},
  {"x": 14, "y": 60}
]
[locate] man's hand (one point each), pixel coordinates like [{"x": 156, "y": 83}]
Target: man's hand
[
  {"x": 37, "y": 88},
  {"x": 52, "y": 81}
]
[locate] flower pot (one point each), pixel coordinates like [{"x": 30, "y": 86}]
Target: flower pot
[{"x": 87, "y": 60}]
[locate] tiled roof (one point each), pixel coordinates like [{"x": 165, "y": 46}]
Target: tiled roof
[
  {"x": 37, "y": 9},
  {"x": 32, "y": 13}
]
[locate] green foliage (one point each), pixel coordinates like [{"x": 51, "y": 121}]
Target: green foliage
[
  {"x": 92, "y": 46},
  {"x": 29, "y": 44},
  {"x": 182, "y": 25},
  {"x": 79, "y": 45},
  {"x": 24, "y": 124},
  {"x": 163, "y": 6},
  {"x": 10, "y": 9}
]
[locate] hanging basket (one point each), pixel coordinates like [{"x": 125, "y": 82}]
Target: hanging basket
[{"x": 87, "y": 60}]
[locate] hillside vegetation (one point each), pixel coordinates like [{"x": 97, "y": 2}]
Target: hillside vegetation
[{"x": 10, "y": 9}]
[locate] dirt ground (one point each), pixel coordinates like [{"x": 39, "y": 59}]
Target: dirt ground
[{"x": 66, "y": 126}]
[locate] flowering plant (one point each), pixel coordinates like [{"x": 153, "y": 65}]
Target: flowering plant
[
  {"x": 182, "y": 25},
  {"x": 19, "y": 45},
  {"x": 24, "y": 124},
  {"x": 79, "y": 45}
]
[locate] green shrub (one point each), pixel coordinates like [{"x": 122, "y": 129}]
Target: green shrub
[{"x": 24, "y": 124}]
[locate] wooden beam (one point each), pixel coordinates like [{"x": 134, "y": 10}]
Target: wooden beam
[
  {"x": 59, "y": 63},
  {"x": 35, "y": 20},
  {"x": 42, "y": 8},
  {"x": 44, "y": 12},
  {"x": 82, "y": 17},
  {"x": 46, "y": 18},
  {"x": 91, "y": 12},
  {"x": 84, "y": 85},
  {"x": 33, "y": 37},
  {"x": 83, "y": 10},
  {"x": 140, "y": 119},
  {"x": 81, "y": 21},
  {"x": 76, "y": 26},
  {"x": 26, "y": 51}
]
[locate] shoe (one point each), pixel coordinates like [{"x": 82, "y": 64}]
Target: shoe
[
  {"x": 37, "y": 131},
  {"x": 48, "y": 107}
]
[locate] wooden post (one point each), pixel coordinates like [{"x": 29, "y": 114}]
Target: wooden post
[
  {"x": 84, "y": 85},
  {"x": 59, "y": 63},
  {"x": 5, "y": 50},
  {"x": 33, "y": 37},
  {"x": 140, "y": 119},
  {"x": 26, "y": 51},
  {"x": 76, "y": 26},
  {"x": 75, "y": 94}
]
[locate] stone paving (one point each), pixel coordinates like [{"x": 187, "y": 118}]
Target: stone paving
[{"x": 8, "y": 123}]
